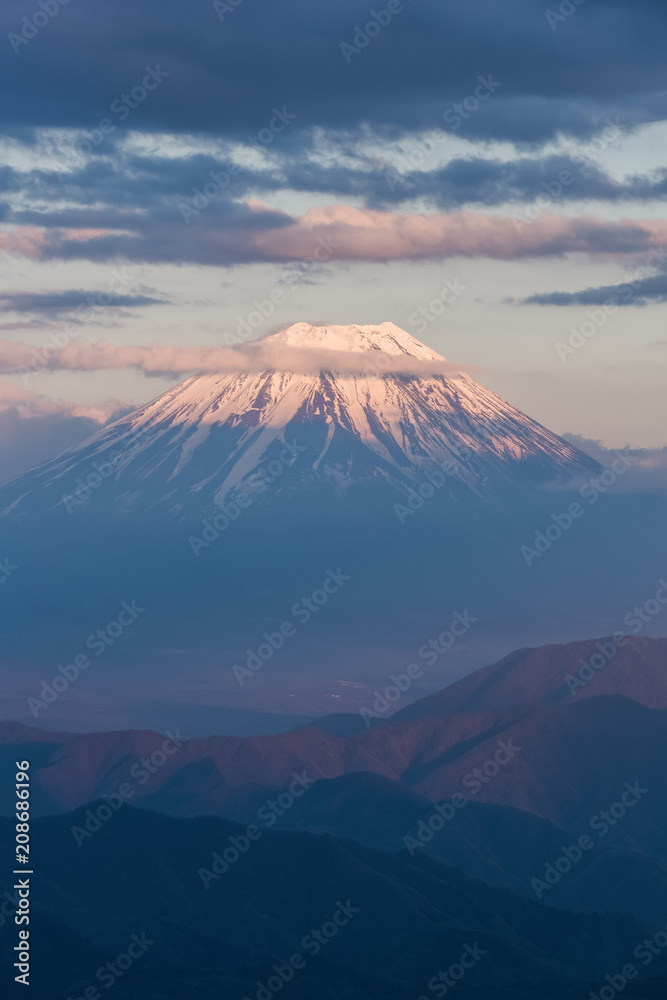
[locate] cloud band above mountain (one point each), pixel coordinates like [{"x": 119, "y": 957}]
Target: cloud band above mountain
[
  {"x": 159, "y": 360},
  {"x": 341, "y": 232}
]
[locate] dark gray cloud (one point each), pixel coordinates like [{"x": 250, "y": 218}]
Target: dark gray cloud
[
  {"x": 492, "y": 182},
  {"x": 141, "y": 185},
  {"x": 225, "y": 76},
  {"x": 646, "y": 471},
  {"x": 25, "y": 443},
  {"x": 636, "y": 292},
  {"x": 54, "y": 303}
]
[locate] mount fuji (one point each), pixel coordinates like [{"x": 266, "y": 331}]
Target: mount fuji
[
  {"x": 334, "y": 407},
  {"x": 220, "y": 506}
]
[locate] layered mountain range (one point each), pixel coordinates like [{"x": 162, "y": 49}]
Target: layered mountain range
[
  {"x": 150, "y": 907},
  {"x": 498, "y": 827},
  {"x": 518, "y": 771}
]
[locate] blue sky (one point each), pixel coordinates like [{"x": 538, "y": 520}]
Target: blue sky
[{"x": 167, "y": 168}]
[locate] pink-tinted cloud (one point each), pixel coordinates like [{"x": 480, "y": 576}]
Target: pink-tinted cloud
[
  {"x": 34, "y": 429},
  {"x": 362, "y": 234},
  {"x": 158, "y": 359},
  {"x": 25, "y": 241},
  {"x": 29, "y": 404},
  {"x": 647, "y": 468},
  {"x": 342, "y": 232}
]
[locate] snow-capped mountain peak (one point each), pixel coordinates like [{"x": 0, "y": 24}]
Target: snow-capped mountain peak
[
  {"x": 337, "y": 407},
  {"x": 386, "y": 337}
]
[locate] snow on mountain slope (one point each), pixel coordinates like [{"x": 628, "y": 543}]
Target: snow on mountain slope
[{"x": 334, "y": 405}]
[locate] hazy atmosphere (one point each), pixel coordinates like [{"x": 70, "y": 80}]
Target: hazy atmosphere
[{"x": 333, "y": 500}]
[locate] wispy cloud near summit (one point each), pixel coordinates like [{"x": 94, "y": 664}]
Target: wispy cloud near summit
[{"x": 161, "y": 360}]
